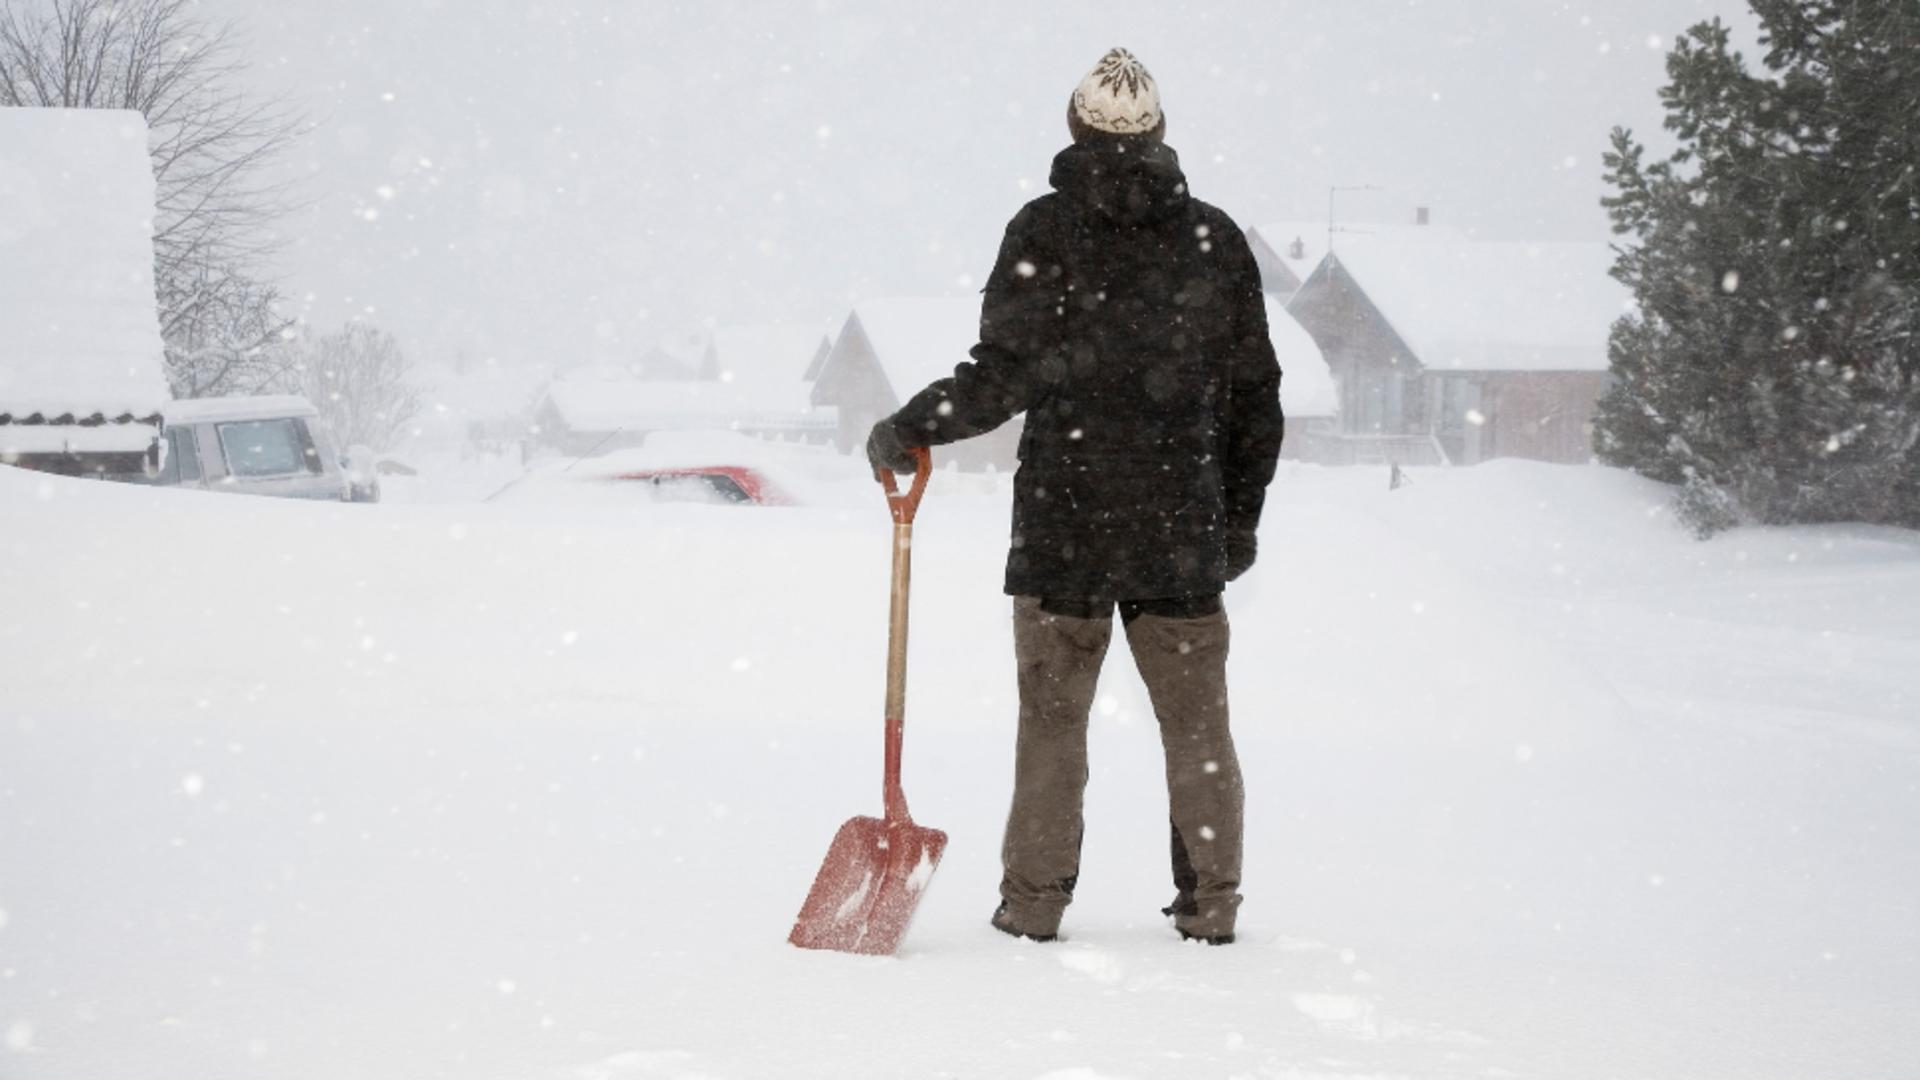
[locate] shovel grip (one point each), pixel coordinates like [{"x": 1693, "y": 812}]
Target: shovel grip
[{"x": 905, "y": 506}]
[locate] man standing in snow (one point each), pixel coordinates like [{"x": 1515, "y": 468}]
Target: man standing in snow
[{"x": 1124, "y": 317}]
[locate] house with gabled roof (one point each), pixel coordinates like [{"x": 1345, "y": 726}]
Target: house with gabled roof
[
  {"x": 748, "y": 379},
  {"x": 1450, "y": 351},
  {"x": 82, "y": 366},
  {"x": 889, "y": 349},
  {"x": 1287, "y": 252},
  {"x": 595, "y": 411},
  {"x": 886, "y": 351}
]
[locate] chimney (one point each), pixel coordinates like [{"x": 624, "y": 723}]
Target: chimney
[{"x": 1422, "y": 216}]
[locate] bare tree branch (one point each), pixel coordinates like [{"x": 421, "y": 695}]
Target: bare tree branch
[{"x": 358, "y": 379}]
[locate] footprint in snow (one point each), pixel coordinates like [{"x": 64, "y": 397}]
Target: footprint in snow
[
  {"x": 1341, "y": 1012},
  {"x": 1359, "y": 1018},
  {"x": 634, "y": 1064},
  {"x": 1097, "y": 964}
]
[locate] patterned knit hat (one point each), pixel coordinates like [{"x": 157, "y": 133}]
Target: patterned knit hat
[{"x": 1118, "y": 96}]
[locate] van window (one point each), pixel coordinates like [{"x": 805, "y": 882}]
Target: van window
[
  {"x": 183, "y": 457},
  {"x": 256, "y": 448}
]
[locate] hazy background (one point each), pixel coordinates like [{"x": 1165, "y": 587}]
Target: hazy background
[{"x": 562, "y": 182}]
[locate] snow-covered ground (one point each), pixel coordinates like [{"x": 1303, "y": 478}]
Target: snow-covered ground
[{"x": 1538, "y": 787}]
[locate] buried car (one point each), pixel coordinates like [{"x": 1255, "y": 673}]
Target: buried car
[
  {"x": 709, "y": 483},
  {"x": 628, "y": 476},
  {"x": 719, "y": 468},
  {"x": 266, "y": 445}
]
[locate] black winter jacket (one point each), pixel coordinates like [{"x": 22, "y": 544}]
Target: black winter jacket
[{"x": 1124, "y": 317}]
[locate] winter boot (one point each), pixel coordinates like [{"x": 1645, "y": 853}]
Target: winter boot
[
  {"x": 1003, "y": 922},
  {"x": 1185, "y": 907}
]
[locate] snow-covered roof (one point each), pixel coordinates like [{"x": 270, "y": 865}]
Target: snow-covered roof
[
  {"x": 18, "y": 440},
  {"x": 79, "y": 326},
  {"x": 219, "y": 409},
  {"x": 765, "y": 353},
  {"x": 688, "y": 348},
  {"x": 590, "y": 405},
  {"x": 1279, "y": 240},
  {"x": 819, "y": 362},
  {"x": 918, "y": 340},
  {"x": 1490, "y": 306},
  {"x": 1280, "y": 237},
  {"x": 1306, "y": 383}
]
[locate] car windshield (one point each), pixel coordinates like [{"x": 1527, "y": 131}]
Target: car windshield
[
  {"x": 698, "y": 487},
  {"x": 257, "y": 448}
]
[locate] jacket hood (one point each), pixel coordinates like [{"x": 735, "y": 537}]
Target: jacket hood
[{"x": 1132, "y": 181}]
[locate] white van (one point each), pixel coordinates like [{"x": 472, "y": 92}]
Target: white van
[{"x": 270, "y": 445}]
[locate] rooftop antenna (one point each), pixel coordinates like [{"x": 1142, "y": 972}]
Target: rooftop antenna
[{"x": 1331, "y": 192}]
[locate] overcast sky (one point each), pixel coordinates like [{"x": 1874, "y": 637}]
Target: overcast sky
[{"x": 566, "y": 182}]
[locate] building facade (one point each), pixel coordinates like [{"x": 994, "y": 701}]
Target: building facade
[{"x": 1447, "y": 351}]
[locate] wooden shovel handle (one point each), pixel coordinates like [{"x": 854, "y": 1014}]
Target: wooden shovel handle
[{"x": 905, "y": 506}]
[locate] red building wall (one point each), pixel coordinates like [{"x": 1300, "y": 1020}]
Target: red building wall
[{"x": 1544, "y": 416}]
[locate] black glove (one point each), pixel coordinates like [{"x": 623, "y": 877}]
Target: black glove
[
  {"x": 884, "y": 450},
  {"x": 1241, "y": 546}
]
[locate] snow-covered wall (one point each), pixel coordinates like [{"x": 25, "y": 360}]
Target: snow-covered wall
[
  {"x": 79, "y": 325},
  {"x": 1306, "y": 383}
]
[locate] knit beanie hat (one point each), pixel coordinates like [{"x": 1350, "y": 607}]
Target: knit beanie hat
[{"x": 1118, "y": 96}]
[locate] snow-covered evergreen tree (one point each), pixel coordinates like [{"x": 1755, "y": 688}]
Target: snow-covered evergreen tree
[{"x": 1773, "y": 367}]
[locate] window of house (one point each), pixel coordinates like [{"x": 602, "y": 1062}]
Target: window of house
[
  {"x": 1452, "y": 419},
  {"x": 261, "y": 448},
  {"x": 1378, "y": 402}
]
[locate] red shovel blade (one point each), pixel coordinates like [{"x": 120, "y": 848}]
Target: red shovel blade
[{"x": 866, "y": 891}]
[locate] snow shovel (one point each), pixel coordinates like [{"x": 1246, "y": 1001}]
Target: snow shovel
[{"x": 866, "y": 891}]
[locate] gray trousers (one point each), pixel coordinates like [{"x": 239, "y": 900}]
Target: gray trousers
[{"x": 1184, "y": 664}]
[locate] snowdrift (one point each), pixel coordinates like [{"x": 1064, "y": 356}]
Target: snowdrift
[{"x": 487, "y": 790}]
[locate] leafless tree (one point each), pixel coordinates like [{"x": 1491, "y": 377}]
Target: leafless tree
[
  {"x": 231, "y": 340},
  {"x": 210, "y": 144},
  {"x": 358, "y": 379}
]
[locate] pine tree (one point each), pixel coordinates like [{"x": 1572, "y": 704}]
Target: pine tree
[{"x": 1772, "y": 367}]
